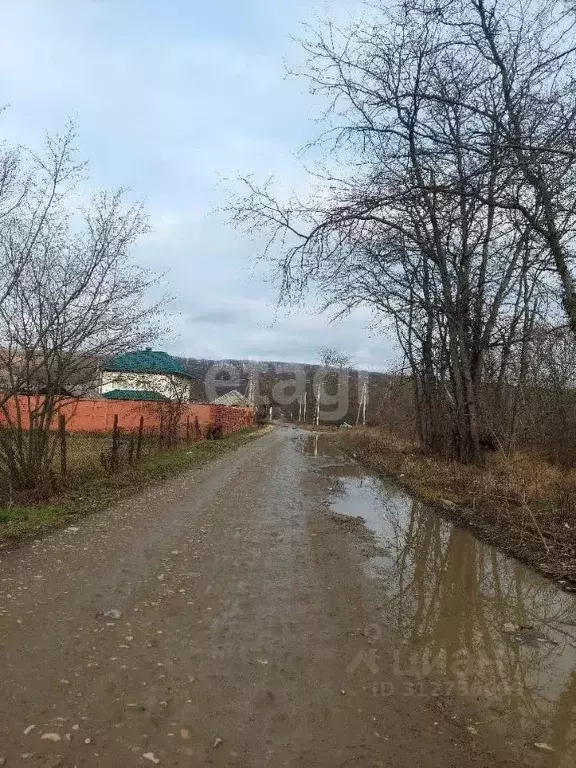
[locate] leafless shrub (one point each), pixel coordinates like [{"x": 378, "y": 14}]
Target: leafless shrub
[{"x": 71, "y": 297}]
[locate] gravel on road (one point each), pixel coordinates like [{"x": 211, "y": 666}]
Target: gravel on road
[{"x": 212, "y": 620}]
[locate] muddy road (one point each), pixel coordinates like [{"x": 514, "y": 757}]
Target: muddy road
[{"x": 243, "y": 615}]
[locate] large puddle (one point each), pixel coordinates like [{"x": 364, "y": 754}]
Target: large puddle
[{"x": 470, "y": 615}]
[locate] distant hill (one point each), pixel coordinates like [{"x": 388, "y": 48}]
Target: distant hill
[{"x": 271, "y": 376}]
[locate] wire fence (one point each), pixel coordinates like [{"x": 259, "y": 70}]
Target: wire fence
[
  {"x": 38, "y": 460},
  {"x": 87, "y": 453}
]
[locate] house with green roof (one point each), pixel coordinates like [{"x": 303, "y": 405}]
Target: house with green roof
[{"x": 146, "y": 375}]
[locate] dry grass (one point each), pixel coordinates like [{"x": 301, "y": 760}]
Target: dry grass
[
  {"x": 520, "y": 502},
  {"x": 85, "y": 451}
]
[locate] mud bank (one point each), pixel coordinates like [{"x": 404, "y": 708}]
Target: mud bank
[{"x": 540, "y": 532}]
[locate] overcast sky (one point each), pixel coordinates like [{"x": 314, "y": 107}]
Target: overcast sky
[{"x": 170, "y": 97}]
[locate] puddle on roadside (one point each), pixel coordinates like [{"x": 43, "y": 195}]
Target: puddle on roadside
[
  {"x": 319, "y": 444},
  {"x": 492, "y": 629}
]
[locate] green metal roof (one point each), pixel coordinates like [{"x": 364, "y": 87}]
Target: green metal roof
[
  {"x": 134, "y": 394},
  {"x": 147, "y": 361}
]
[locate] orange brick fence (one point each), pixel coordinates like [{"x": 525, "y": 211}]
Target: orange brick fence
[{"x": 97, "y": 416}]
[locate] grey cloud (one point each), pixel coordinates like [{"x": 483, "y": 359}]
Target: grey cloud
[{"x": 214, "y": 317}]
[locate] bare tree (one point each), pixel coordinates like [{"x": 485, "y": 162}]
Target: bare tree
[
  {"x": 520, "y": 62},
  {"x": 413, "y": 221},
  {"x": 32, "y": 192},
  {"x": 330, "y": 385},
  {"x": 333, "y": 358},
  {"x": 77, "y": 299}
]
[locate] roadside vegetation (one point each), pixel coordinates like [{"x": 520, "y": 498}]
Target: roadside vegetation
[
  {"x": 518, "y": 502},
  {"x": 71, "y": 296},
  {"x": 445, "y": 203},
  {"x": 91, "y": 490}
]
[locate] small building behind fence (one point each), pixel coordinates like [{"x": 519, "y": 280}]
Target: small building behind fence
[
  {"x": 145, "y": 390},
  {"x": 146, "y": 375}
]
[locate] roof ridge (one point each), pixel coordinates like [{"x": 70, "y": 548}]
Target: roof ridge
[{"x": 147, "y": 361}]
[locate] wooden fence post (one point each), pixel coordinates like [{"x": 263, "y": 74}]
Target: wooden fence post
[
  {"x": 63, "y": 446},
  {"x": 139, "y": 439},
  {"x": 169, "y": 432},
  {"x": 115, "y": 445}
]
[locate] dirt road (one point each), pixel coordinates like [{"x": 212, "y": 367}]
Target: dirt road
[{"x": 215, "y": 620}]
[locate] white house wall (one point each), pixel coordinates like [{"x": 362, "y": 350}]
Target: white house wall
[{"x": 171, "y": 386}]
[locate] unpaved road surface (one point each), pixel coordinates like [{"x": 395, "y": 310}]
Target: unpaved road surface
[{"x": 236, "y": 608}]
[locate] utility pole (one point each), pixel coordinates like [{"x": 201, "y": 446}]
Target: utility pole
[
  {"x": 363, "y": 402},
  {"x": 251, "y": 390},
  {"x": 302, "y": 407}
]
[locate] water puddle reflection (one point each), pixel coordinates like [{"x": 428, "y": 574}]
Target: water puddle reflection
[
  {"x": 496, "y": 630},
  {"x": 318, "y": 444}
]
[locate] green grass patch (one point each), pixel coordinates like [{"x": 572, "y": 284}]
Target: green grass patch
[
  {"x": 16, "y": 521},
  {"x": 92, "y": 492}
]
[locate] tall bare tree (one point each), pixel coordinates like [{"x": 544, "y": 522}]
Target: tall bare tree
[
  {"x": 73, "y": 298},
  {"x": 520, "y": 61},
  {"x": 414, "y": 217}
]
